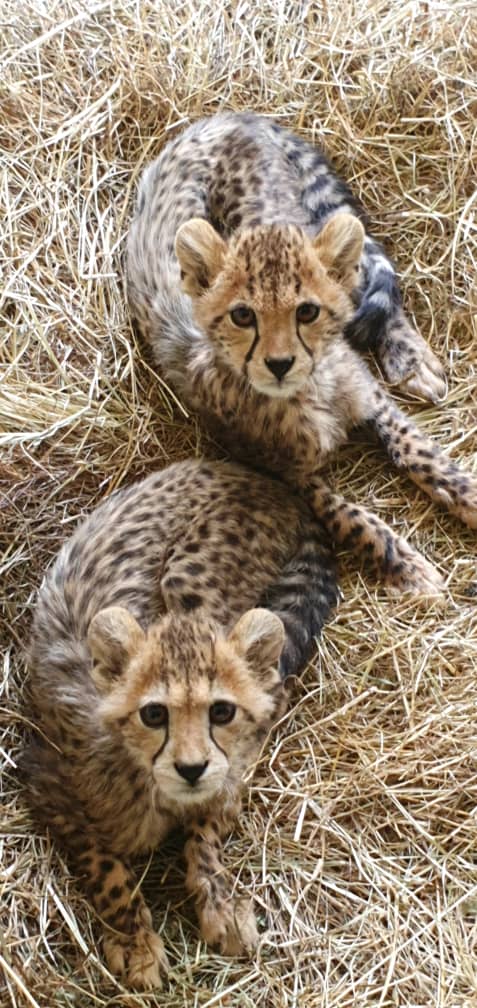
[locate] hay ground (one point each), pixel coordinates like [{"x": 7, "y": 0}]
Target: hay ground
[{"x": 358, "y": 839}]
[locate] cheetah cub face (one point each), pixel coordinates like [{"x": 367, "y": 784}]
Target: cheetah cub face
[
  {"x": 191, "y": 703},
  {"x": 271, "y": 299}
]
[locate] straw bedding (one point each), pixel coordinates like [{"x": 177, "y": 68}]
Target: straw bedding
[{"x": 359, "y": 831}]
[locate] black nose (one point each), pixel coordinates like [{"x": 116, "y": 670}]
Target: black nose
[
  {"x": 191, "y": 771},
  {"x": 279, "y": 365}
]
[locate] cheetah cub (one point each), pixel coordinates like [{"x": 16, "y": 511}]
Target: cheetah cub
[
  {"x": 280, "y": 287},
  {"x": 161, "y": 640}
]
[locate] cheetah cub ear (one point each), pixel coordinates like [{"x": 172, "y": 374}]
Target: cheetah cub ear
[
  {"x": 259, "y": 636},
  {"x": 114, "y": 636},
  {"x": 339, "y": 246},
  {"x": 200, "y": 251}
]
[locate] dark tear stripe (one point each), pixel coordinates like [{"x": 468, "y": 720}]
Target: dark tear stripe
[
  {"x": 251, "y": 349},
  {"x": 302, "y": 341},
  {"x": 216, "y": 743},
  {"x": 159, "y": 751}
]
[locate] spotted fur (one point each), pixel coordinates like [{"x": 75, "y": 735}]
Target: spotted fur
[
  {"x": 154, "y": 609},
  {"x": 250, "y": 274}
]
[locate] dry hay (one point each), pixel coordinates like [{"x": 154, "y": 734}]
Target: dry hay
[{"x": 359, "y": 833}]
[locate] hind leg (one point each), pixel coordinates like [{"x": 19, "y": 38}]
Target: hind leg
[
  {"x": 409, "y": 362},
  {"x": 381, "y": 325}
]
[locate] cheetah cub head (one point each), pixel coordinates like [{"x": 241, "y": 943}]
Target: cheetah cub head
[
  {"x": 191, "y": 703},
  {"x": 271, "y": 299}
]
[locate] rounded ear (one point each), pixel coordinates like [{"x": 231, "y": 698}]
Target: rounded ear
[
  {"x": 200, "y": 251},
  {"x": 113, "y": 637},
  {"x": 339, "y": 246},
  {"x": 259, "y": 636}
]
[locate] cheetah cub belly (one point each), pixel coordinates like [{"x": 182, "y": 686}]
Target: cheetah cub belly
[
  {"x": 161, "y": 640},
  {"x": 252, "y": 277}
]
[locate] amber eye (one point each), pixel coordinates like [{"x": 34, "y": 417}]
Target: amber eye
[
  {"x": 154, "y": 715},
  {"x": 243, "y": 316},
  {"x": 222, "y": 712},
  {"x": 307, "y": 312}
]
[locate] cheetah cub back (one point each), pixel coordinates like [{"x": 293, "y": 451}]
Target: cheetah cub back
[{"x": 161, "y": 640}]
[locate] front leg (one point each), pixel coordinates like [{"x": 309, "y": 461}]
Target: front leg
[
  {"x": 225, "y": 922},
  {"x": 352, "y": 526},
  {"x": 423, "y": 461},
  {"x": 132, "y": 949}
]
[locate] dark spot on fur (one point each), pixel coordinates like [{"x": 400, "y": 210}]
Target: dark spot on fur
[
  {"x": 106, "y": 866},
  {"x": 173, "y": 582},
  {"x": 195, "y": 569},
  {"x": 192, "y": 547},
  {"x": 232, "y": 539},
  {"x": 191, "y": 601}
]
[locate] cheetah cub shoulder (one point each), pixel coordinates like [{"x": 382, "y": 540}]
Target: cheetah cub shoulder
[{"x": 161, "y": 640}]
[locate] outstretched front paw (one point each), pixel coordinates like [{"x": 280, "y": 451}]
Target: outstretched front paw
[
  {"x": 231, "y": 927},
  {"x": 411, "y": 572},
  {"x": 138, "y": 959},
  {"x": 409, "y": 362}
]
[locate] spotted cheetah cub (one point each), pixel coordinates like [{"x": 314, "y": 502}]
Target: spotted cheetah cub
[
  {"x": 161, "y": 640},
  {"x": 280, "y": 285}
]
